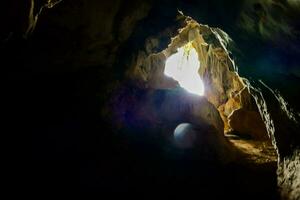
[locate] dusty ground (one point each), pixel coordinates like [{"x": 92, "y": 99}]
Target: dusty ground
[{"x": 254, "y": 152}]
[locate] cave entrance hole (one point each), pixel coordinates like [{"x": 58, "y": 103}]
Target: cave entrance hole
[{"x": 183, "y": 66}]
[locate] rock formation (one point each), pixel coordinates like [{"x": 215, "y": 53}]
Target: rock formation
[
  {"x": 163, "y": 110},
  {"x": 283, "y": 127},
  {"x": 223, "y": 86},
  {"x": 244, "y": 109}
]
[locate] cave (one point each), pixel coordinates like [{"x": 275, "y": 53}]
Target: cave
[{"x": 180, "y": 98}]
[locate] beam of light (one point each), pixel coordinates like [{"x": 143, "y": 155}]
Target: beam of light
[{"x": 183, "y": 67}]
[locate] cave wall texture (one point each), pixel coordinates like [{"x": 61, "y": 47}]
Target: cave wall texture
[{"x": 50, "y": 45}]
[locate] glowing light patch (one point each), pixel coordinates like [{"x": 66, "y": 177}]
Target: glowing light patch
[
  {"x": 185, "y": 135},
  {"x": 183, "y": 67}
]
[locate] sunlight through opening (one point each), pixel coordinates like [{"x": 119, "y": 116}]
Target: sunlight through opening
[{"x": 183, "y": 66}]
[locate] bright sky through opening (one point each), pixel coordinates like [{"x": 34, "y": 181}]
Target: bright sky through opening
[{"x": 183, "y": 67}]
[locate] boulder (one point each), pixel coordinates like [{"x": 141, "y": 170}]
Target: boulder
[
  {"x": 163, "y": 110},
  {"x": 248, "y": 123},
  {"x": 200, "y": 143}
]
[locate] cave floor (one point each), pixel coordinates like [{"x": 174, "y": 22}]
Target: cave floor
[
  {"x": 254, "y": 152},
  {"x": 254, "y": 168}
]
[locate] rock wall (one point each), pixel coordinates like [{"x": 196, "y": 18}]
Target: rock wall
[
  {"x": 23, "y": 17},
  {"x": 283, "y": 127},
  {"x": 76, "y": 33},
  {"x": 289, "y": 176}
]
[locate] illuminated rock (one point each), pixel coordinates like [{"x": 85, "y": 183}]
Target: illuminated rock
[
  {"x": 248, "y": 123},
  {"x": 199, "y": 55}
]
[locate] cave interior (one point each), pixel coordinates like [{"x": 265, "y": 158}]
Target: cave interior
[{"x": 182, "y": 97}]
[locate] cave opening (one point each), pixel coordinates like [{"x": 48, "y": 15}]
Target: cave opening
[
  {"x": 183, "y": 66},
  {"x": 223, "y": 118}
]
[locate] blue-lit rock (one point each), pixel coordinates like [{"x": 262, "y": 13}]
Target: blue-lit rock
[{"x": 185, "y": 136}]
